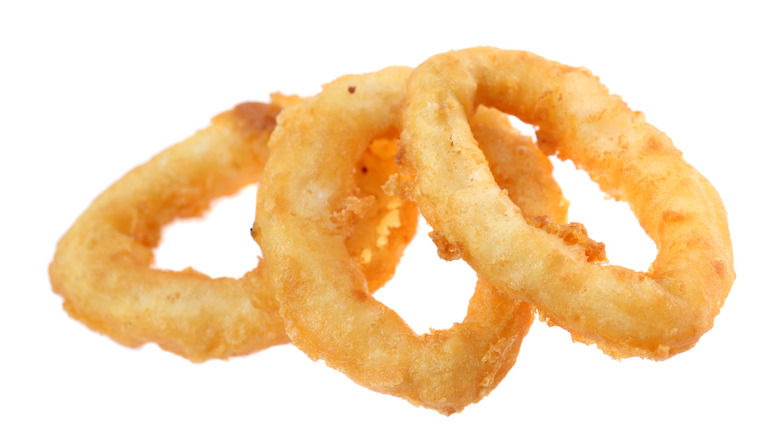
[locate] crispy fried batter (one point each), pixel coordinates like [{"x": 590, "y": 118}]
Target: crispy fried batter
[
  {"x": 323, "y": 297},
  {"x": 626, "y": 313},
  {"x": 102, "y": 266}
]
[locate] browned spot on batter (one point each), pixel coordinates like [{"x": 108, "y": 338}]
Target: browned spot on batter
[
  {"x": 719, "y": 267},
  {"x": 672, "y": 216},
  {"x": 446, "y": 250},
  {"x": 401, "y": 157},
  {"x": 351, "y": 89},
  {"x": 251, "y": 116},
  {"x": 573, "y": 234},
  {"x": 653, "y": 145},
  {"x": 359, "y": 295}
]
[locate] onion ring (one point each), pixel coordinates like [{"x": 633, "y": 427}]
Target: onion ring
[
  {"x": 626, "y": 313},
  {"x": 322, "y": 294},
  {"x": 102, "y": 266}
]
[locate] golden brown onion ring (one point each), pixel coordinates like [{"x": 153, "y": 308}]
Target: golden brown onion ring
[
  {"x": 102, "y": 267},
  {"x": 322, "y": 293},
  {"x": 655, "y": 314}
]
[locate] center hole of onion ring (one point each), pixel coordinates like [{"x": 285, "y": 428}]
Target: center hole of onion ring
[
  {"x": 524, "y": 128},
  {"x": 217, "y": 244},
  {"x": 427, "y": 292},
  {"x": 607, "y": 220}
]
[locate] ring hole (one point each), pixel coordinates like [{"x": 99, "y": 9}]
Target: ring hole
[
  {"x": 607, "y": 220},
  {"x": 427, "y": 292},
  {"x": 217, "y": 244},
  {"x": 524, "y": 128}
]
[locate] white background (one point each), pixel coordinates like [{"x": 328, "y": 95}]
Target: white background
[{"x": 89, "y": 90}]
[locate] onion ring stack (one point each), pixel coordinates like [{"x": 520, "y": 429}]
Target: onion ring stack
[
  {"x": 322, "y": 294},
  {"x": 337, "y": 205}
]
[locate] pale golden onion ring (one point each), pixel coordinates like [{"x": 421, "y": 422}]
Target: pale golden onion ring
[
  {"x": 102, "y": 266},
  {"x": 655, "y": 314}
]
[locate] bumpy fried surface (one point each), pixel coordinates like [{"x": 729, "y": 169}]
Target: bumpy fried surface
[
  {"x": 626, "y": 313},
  {"x": 322, "y": 294},
  {"x": 102, "y": 266}
]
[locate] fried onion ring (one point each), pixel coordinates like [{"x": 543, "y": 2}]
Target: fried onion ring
[
  {"x": 102, "y": 266},
  {"x": 322, "y": 294},
  {"x": 626, "y": 313}
]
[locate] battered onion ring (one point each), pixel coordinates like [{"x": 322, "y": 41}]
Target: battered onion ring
[
  {"x": 322, "y": 294},
  {"x": 655, "y": 314},
  {"x": 102, "y": 267}
]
